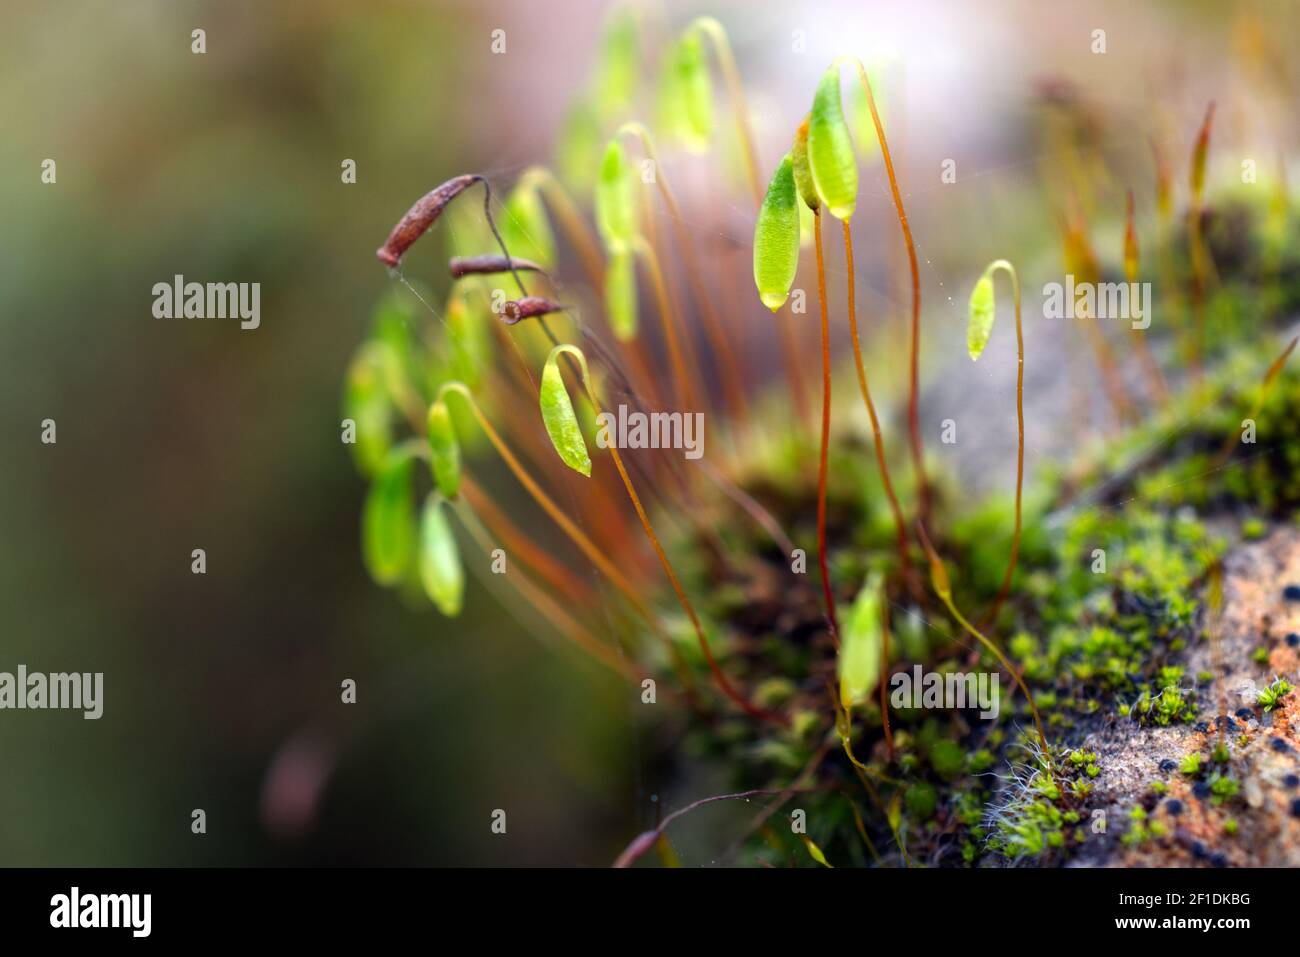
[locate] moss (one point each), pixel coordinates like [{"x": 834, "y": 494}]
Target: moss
[
  {"x": 1269, "y": 697},
  {"x": 1106, "y": 643},
  {"x": 1223, "y": 788},
  {"x": 947, "y": 758},
  {"x": 921, "y": 801}
]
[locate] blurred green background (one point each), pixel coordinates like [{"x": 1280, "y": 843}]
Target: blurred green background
[
  {"x": 222, "y": 691},
  {"x": 175, "y": 435}
]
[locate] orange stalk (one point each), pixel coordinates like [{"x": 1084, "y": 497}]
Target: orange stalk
[
  {"x": 561, "y": 620},
  {"x": 718, "y": 340},
  {"x": 827, "y": 593},
  {"x": 913, "y": 401},
  {"x": 1149, "y": 365},
  {"x": 719, "y": 677},
  {"x": 1196, "y": 242},
  {"x": 871, "y": 411},
  {"x": 575, "y": 227}
]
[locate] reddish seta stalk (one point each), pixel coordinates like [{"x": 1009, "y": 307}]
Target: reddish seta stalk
[{"x": 827, "y": 593}]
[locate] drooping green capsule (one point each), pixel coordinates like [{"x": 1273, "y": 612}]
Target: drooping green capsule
[
  {"x": 830, "y": 149},
  {"x": 802, "y": 174},
  {"x": 525, "y": 227},
  {"x": 980, "y": 324},
  {"x": 616, "y": 197},
  {"x": 469, "y": 333},
  {"x": 366, "y": 404},
  {"x": 444, "y": 450},
  {"x": 441, "y": 572},
  {"x": 616, "y": 71},
  {"x": 621, "y": 294},
  {"x": 861, "y": 644},
  {"x": 395, "y": 315},
  {"x": 388, "y": 520},
  {"x": 776, "y": 238},
  {"x": 560, "y": 420},
  {"x": 687, "y": 93}
]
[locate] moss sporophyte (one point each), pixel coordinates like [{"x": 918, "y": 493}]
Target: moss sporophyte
[{"x": 481, "y": 426}]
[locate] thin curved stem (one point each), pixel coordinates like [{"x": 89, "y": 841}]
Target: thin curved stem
[
  {"x": 517, "y": 541},
  {"x": 1265, "y": 386},
  {"x": 736, "y": 90},
  {"x": 1151, "y": 368},
  {"x": 913, "y": 400},
  {"x": 1002, "y": 660},
  {"x": 884, "y": 677},
  {"x": 827, "y": 593},
  {"x": 721, "y": 679},
  {"x": 1005, "y": 588},
  {"x": 1077, "y": 239},
  {"x": 871, "y": 407},
  {"x": 939, "y": 581},
  {"x": 578, "y": 537},
  {"x": 561, "y": 620},
  {"x": 647, "y": 839},
  {"x": 1198, "y": 252},
  {"x": 571, "y": 221},
  {"x": 718, "y": 340},
  {"x": 672, "y": 332}
]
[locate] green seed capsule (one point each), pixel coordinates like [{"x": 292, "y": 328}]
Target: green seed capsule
[
  {"x": 616, "y": 197},
  {"x": 469, "y": 332},
  {"x": 621, "y": 294},
  {"x": 980, "y": 324},
  {"x": 388, "y": 520},
  {"x": 560, "y": 420},
  {"x": 861, "y": 644},
  {"x": 830, "y": 149},
  {"x": 365, "y": 402},
  {"x": 689, "y": 85},
  {"x": 776, "y": 238},
  {"x": 441, "y": 572},
  {"x": 444, "y": 450},
  {"x": 616, "y": 72},
  {"x": 526, "y": 229},
  {"x": 802, "y": 174}
]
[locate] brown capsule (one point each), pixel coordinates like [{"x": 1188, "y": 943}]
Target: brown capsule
[
  {"x": 421, "y": 216},
  {"x": 528, "y": 307},
  {"x": 477, "y": 265}
]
